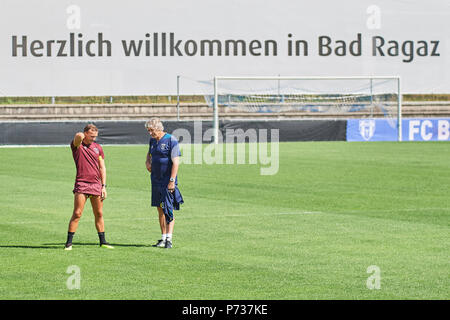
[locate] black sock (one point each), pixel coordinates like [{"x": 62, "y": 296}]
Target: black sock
[
  {"x": 101, "y": 236},
  {"x": 70, "y": 237}
]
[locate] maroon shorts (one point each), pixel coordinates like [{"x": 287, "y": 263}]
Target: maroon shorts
[{"x": 88, "y": 188}]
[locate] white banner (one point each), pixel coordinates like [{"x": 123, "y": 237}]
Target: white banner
[{"x": 138, "y": 47}]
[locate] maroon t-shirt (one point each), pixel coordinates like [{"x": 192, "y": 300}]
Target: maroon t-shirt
[{"x": 86, "y": 161}]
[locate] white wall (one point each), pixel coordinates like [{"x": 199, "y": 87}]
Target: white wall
[{"x": 117, "y": 74}]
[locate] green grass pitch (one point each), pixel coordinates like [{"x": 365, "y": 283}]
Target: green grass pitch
[{"x": 309, "y": 232}]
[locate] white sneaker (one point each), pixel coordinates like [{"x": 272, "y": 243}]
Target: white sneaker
[{"x": 160, "y": 244}]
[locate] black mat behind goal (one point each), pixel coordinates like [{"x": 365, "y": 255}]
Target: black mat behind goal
[{"x": 134, "y": 132}]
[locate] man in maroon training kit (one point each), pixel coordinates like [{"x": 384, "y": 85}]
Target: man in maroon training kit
[{"x": 90, "y": 182}]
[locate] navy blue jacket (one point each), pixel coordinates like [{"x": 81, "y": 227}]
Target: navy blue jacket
[{"x": 170, "y": 201}]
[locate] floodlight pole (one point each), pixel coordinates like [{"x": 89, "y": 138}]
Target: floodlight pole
[{"x": 216, "y": 113}]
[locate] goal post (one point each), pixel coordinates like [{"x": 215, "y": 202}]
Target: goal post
[{"x": 321, "y": 96}]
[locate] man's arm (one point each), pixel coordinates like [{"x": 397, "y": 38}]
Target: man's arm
[
  {"x": 148, "y": 162},
  {"x": 101, "y": 164},
  {"x": 174, "y": 172},
  {"x": 77, "y": 139}
]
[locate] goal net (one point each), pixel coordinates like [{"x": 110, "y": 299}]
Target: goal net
[{"x": 307, "y": 98}]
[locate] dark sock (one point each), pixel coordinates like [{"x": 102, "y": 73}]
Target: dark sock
[
  {"x": 101, "y": 236},
  {"x": 70, "y": 237}
]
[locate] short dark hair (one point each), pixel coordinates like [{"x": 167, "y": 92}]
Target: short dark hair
[{"x": 90, "y": 127}]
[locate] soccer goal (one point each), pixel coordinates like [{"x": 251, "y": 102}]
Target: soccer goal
[{"x": 308, "y": 98}]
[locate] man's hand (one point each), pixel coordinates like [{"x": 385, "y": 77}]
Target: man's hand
[
  {"x": 104, "y": 193},
  {"x": 77, "y": 139},
  {"x": 173, "y": 174},
  {"x": 171, "y": 186},
  {"x": 148, "y": 162}
]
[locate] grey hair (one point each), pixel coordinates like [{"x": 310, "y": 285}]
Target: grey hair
[{"x": 154, "y": 124}]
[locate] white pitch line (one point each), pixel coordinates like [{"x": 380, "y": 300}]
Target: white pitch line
[{"x": 301, "y": 212}]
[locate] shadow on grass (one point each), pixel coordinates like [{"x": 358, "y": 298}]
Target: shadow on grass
[
  {"x": 30, "y": 247},
  {"x": 59, "y": 246}
]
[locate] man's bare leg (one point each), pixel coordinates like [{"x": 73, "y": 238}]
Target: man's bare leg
[
  {"x": 162, "y": 226},
  {"x": 169, "y": 226},
  {"x": 166, "y": 228},
  {"x": 162, "y": 220},
  {"x": 97, "y": 209},
  {"x": 78, "y": 207}
]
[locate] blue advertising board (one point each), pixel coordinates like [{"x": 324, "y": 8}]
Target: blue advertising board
[{"x": 418, "y": 129}]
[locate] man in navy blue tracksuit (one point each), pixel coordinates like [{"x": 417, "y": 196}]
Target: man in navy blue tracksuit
[{"x": 163, "y": 161}]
